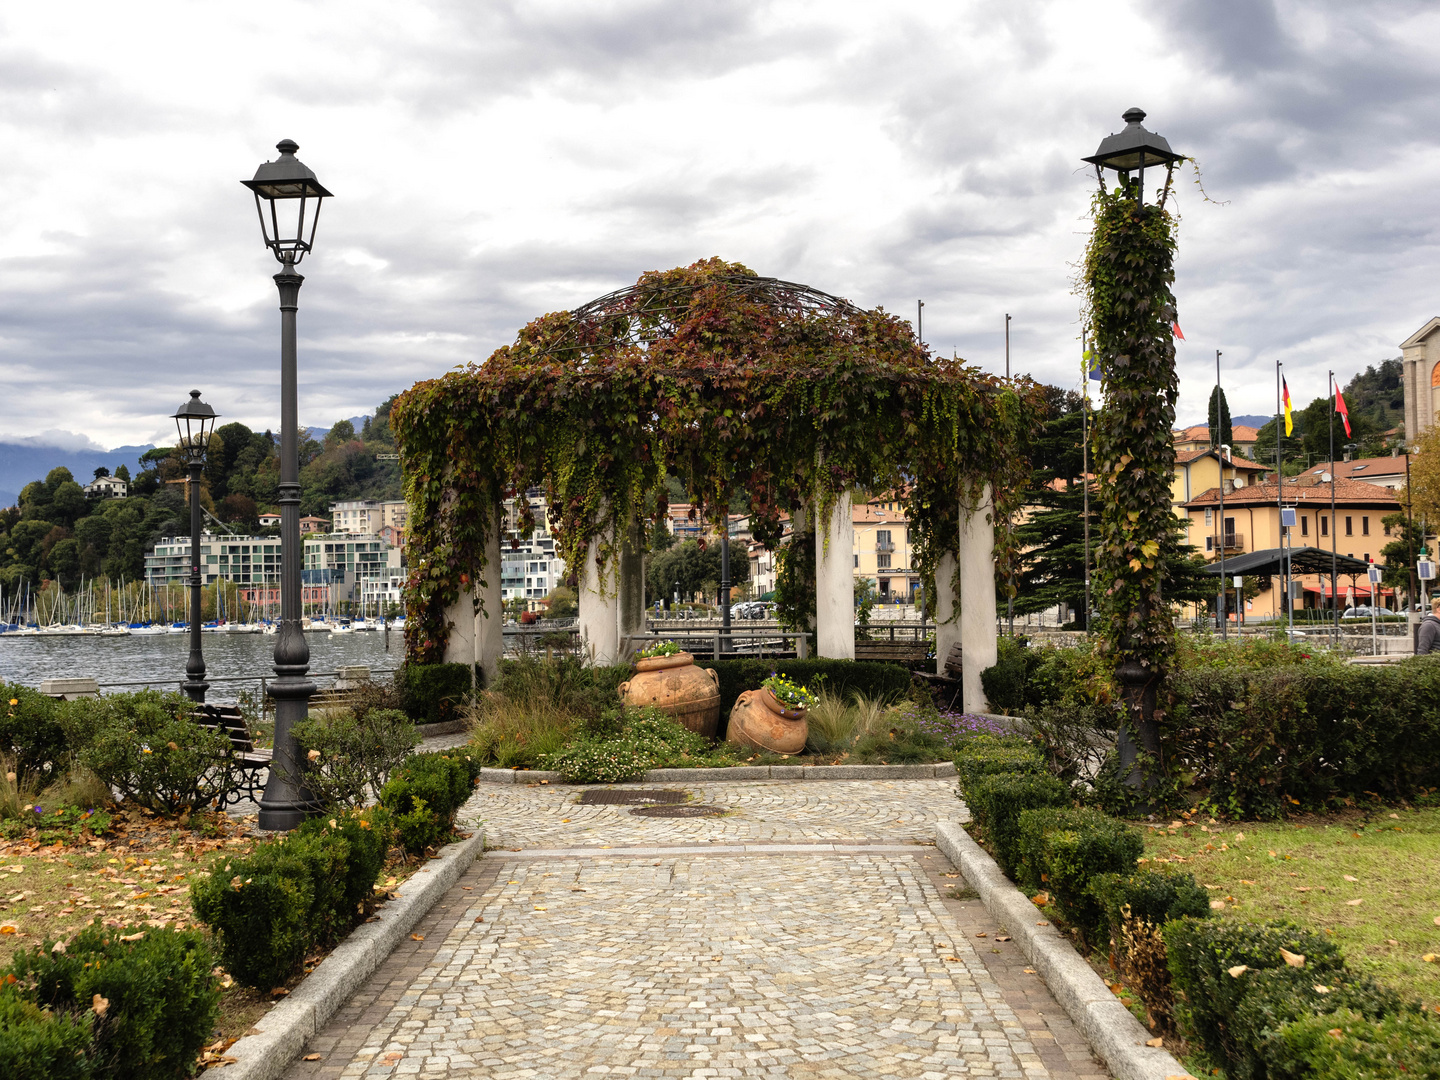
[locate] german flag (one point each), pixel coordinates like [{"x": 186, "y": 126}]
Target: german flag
[{"x": 1289, "y": 423}]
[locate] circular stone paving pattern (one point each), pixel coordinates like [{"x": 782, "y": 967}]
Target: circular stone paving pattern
[{"x": 678, "y": 811}]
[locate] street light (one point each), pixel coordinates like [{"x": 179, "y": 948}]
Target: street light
[
  {"x": 194, "y": 423},
  {"x": 1131, "y": 150},
  {"x": 287, "y": 198}
]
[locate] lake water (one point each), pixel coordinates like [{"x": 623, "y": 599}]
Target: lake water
[{"x": 160, "y": 660}]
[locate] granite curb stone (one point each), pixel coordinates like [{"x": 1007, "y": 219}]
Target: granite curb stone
[
  {"x": 283, "y": 1031},
  {"x": 741, "y": 772},
  {"x": 1113, "y": 1031}
]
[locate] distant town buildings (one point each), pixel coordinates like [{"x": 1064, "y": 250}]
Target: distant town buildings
[
  {"x": 371, "y": 516},
  {"x": 529, "y": 571}
]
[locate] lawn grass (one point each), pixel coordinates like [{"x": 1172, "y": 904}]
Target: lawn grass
[{"x": 1387, "y": 919}]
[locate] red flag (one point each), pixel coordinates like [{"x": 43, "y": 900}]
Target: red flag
[
  {"x": 1175, "y": 329},
  {"x": 1344, "y": 413}
]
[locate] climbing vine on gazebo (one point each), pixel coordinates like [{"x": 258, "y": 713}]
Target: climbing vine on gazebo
[{"x": 729, "y": 382}]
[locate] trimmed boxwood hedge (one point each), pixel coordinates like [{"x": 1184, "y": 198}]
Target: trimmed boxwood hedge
[
  {"x": 432, "y": 693},
  {"x": 873, "y": 678}
]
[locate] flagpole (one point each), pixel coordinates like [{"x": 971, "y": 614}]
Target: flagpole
[
  {"x": 1280, "y": 502},
  {"x": 1334, "y": 540},
  {"x": 1220, "y": 459}
]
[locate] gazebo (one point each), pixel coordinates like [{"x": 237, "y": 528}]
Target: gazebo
[{"x": 730, "y": 382}]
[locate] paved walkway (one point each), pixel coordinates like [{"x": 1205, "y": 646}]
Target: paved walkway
[{"x": 807, "y": 933}]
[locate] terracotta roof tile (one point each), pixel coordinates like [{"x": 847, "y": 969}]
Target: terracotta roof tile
[{"x": 1307, "y": 490}]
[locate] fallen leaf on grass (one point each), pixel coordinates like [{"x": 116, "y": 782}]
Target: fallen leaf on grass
[
  {"x": 1391, "y": 941},
  {"x": 99, "y": 1005},
  {"x": 133, "y": 937},
  {"x": 1351, "y": 877},
  {"x": 1356, "y": 902},
  {"x": 1321, "y": 988},
  {"x": 1217, "y": 905},
  {"x": 1429, "y": 958},
  {"x": 1437, "y": 920},
  {"x": 1155, "y": 1042},
  {"x": 9, "y": 928},
  {"x": 1238, "y": 970},
  {"x": 1295, "y": 960}
]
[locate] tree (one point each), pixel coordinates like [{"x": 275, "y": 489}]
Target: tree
[
  {"x": 1408, "y": 540},
  {"x": 696, "y": 569},
  {"x": 1221, "y": 433},
  {"x": 239, "y": 510},
  {"x": 1424, "y": 485},
  {"x": 122, "y": 473},
  {"x": 102, "y": 471},
  {"x": 562, "y": 603},
  {"x": 343, "y": 431}
]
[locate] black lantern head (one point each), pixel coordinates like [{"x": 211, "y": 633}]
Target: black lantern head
[
  {"x": 1133, "y": 148},
  {"x": 287, "y": 197},
  {"x": 195, "y": 423}
]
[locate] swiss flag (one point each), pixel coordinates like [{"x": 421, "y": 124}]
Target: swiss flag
[{"x": 1344, "y": 413}]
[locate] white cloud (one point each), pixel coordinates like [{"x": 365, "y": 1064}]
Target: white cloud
[{"x": 495, "y": 161}]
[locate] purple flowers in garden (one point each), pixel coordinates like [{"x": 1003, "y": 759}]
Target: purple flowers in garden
[{"x": 953, "y": 728}]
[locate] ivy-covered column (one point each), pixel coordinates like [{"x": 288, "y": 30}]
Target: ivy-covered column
[
  {"x": 599, "y": 608},
  {"x": 630, "y": 586},
  {"x": 478, "y": 634},
  {"x": 835, "y": 582},
  {"x": 978, "y": 640},
  {"x": 947, "y": 610},
  {"x": 1128, "y": 273}
]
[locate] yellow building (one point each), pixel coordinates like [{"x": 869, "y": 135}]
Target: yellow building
[
  {"x": 1251, "y": 523},
  {"x": 881, "y": 548},
  {"x": 1197, "y": 471}
]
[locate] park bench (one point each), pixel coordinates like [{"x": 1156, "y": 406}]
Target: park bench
[{"x": 247, "y": 761}]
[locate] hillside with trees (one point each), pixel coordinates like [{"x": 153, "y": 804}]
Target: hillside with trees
[{"x": 56, "y": 533}]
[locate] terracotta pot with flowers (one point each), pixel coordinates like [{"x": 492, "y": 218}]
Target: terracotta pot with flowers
[
  {"x": 773, "y": 717},
  {"x": 667, "y": 678}
]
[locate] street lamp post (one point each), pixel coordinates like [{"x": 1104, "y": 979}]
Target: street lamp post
[
  {"x": 195, "y": 423},
  {"x": 287, "y": 198},
  {"x": 1131, "y": 151}
]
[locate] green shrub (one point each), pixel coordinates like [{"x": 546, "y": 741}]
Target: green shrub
[
  {"x": 434, "y": 693},
  {"x": 30, "y": 732},
  {"x": 1317, "y": 732},
  {"x": 269, "y": 908},
  {"x": 996, "y": 803},
  {"x": 1148, "y": 896},
  {"x": 37, "y": 1045},
  {"x": 564, "y": 683},
  {"x": 624, "y": 743},
  {"x": 1136, "y": 907},
  {"x": 367, "y": 835},
  {"x": 872, "y": 678},
  {"x": 1004, "y": 683},
  {"x": 146, "y": 746},
  {"x": 1281, "y": 996},
  {"x": 1064, "y": 851},
  {"x": 1202, "y": 953},
  {"x": 424, "y": 795},
  {"x": 989, "y": 755},
  {"x": 355, "y": 754},
  {"x": 1348, "y": 1045},
  {"x": 162, "y": 999}
]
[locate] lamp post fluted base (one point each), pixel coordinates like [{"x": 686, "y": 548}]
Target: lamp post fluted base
[{"x": 286, "y": 802}]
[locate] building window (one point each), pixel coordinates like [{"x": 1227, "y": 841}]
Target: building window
[
  {"x": 1209, "y": 543},
  {"x": 1364, "y": 526},
  {"x": 1324, "y": 526},
  {"x": 882, "y": 561},
  {"x": 1304, "y": 526},
  {"x": 857, "y": 562},
  {"x": 1209, "y": 518},
  {"x": 1349, "y": 529}
]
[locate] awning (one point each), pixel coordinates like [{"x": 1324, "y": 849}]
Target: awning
[
  {"x": 1270, "y": 562},
  {"x": 1359, "y": 590}
]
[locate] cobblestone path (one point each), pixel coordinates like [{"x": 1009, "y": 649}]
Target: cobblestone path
[{"x": 808, "y": 933}]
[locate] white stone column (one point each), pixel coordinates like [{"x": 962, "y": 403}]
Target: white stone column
[
  {"x": 477, "y": 637},
  {"x": 947, "y": 603},
  {"x": 835, "y": 582},
  {"x": 630, "y": 586},
  {"x": 599, "y": 609},
  {"x": 977, "y": 599}
]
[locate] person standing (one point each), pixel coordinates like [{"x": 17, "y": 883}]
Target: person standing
[{"x": 1428, "y": 640}]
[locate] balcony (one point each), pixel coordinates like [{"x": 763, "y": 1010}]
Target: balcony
[
  {"x": 884, "y": 545},
  {"x": 1228, "y": 542}
]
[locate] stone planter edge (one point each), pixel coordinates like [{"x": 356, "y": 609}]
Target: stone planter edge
[
  {"x": 1112, "y": 1031},
  {"x": 938, "y": 771}
]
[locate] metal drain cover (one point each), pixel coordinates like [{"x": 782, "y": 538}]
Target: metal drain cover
[
  {"x": 687, "y": 810},
  {"x": 630, "y": 797}
]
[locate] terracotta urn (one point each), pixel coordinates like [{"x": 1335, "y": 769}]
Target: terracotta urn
[
  {"x": 760, "y": 721},
  {"x": 673, "y": 683}
]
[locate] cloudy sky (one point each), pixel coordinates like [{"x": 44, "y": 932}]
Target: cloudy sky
[{"x": 493, "y": 160}]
